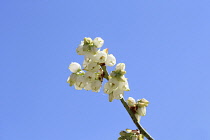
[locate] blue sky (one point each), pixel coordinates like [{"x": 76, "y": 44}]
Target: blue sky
[{"x": 164, "y": 44}]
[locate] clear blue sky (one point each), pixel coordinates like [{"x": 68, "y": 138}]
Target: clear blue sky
[{"x": 165, "y": 45}]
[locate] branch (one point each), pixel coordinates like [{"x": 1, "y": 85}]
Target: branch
[{"x": 141, "y": 129}]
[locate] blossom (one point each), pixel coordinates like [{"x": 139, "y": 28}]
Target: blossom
[
  {"x": 74, "y": 67},
  {"x": 107, "y": 88},
  {"x": 88, "y": 86},
  {"x": 101, "y": 57},
  {"x": 80, "y": 82},
  {"x": 98, "y": 42},
  {"x": 93, "y": 66},
  {"x": 72, "y": 79},
  {"x": 118, "y": 93},
  {"x": 124, "y": 85},
  {"x": 96, "y": 85},
  {"x": 89, "y": 76},
  {"x": 111, "y": 60},
  {"x": 77, "y": 88}
]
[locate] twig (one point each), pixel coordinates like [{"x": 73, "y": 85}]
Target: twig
[{"x": 141, "y": 129}]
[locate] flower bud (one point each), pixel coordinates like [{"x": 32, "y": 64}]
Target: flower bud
[
  {"x": 98, "y": 42},
  {"x": 74, "y": 67},
  {"x": 123, "y": 133},
  {"x": 142, "y": 102},
  {"x": 88, "y": 41},
  {"x": 120, "y": 66},
  {"x": 131, "y": 101}
]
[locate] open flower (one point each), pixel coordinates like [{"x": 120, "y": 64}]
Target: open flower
[
  {"x": 101, "y": 57},
  {"x": 118, "y": 93},
  {"x": 96, "y": 85},
  {"x": 98, "y": 42},
  {"x": 80, "y": 82}
]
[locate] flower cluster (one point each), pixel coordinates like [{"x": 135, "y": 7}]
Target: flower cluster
[
  {"x": 93, "y": 55},
  {"x": 117, "y": 83},
  {"x": 138, "y": 107},
  {"x": 94, "y": 60},
  {"x": 130, "y": 135}
]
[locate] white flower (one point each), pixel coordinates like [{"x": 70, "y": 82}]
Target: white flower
[
  {"x": 74, "y": 67},
  {"x": 124, "y": 85},
  {"x": 111, "y": 60},
  {"x": 90, "y": 57},
  {"x": 98, "y": 42},
  {"x": 120, "y": 66},
  {"x": 77, "y": 88},
  {"x": 107, "y": 88},
  {"x": 79, "y": 49},
  {"x": 72, "y": 79},
  {"x": 117, "y": 93},
  {"x": 80, "y": 82},
  {"x": 85, "y": 64},
  {"x": 94, "y": 67},
  {"x": 141, "y": 111},
  {"x": 113, "y": 83},
  {"x": 96, "y": 85},
  {"x": 137, "y": 117},
  {"x": 89, "y": 76},
  {"x": 131, "y": 101},
  {"x": 101, "y": 57},
  {"x": 88, "y": 86}
]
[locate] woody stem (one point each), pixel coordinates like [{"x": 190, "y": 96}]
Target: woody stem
[{"x": 141, "y": 129}]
